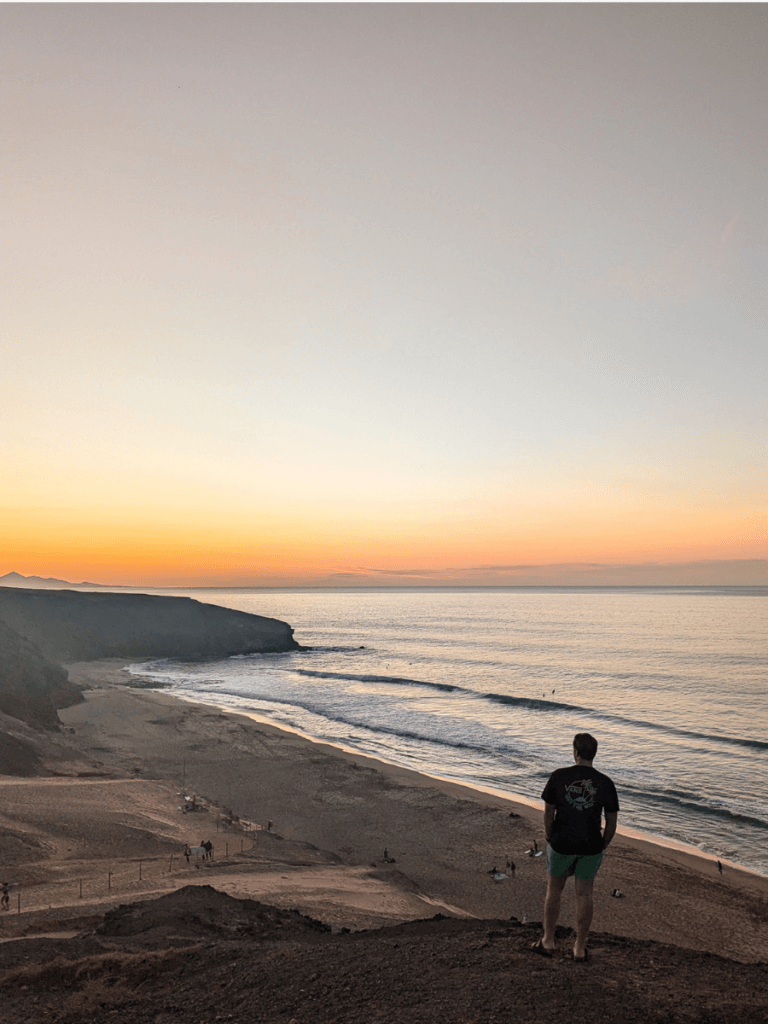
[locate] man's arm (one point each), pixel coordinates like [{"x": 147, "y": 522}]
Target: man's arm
[
  {"x": 549, "y": 820},
  {"x": 611, "y": 818}
]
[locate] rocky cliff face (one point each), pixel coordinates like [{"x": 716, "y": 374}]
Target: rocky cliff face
[
  {"x": 31, "y": 687},
  {"x": 72, "y": 626}
]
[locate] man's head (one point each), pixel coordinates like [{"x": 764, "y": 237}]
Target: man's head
[{"x": 584, "y": 746}]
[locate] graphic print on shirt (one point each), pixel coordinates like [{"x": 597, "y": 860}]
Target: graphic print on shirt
[{"x": 581, "y": 794}]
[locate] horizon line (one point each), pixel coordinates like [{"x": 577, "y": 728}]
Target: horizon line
[{"x": 734, "y": 573}]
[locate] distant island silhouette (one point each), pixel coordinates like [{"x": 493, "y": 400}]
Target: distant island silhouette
[{"x": 15, "y": 579}]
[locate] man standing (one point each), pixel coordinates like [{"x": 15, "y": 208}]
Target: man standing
[{"x": 575, "y": 799}]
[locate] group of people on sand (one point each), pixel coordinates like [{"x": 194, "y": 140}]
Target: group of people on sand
[
  {"x": 576, "y": 799},
  {"x": 202, "y": 852}
]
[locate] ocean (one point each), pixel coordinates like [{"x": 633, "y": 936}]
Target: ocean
[{"x": 487, "y": 687}]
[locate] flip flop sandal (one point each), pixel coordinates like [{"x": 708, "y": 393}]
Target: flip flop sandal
[{"x": 541, "y": 949}]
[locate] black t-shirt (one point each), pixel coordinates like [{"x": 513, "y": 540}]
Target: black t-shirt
[{"x": 580, "y": 794}]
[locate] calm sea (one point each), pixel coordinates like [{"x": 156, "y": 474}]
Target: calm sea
[{"x": 487, "y": 687}]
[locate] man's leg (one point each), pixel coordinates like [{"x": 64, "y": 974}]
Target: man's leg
[
  {"x": 584, "y": 910},
  {"x": 555, "y": 888}
]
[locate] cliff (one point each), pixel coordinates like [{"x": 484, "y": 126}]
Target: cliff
[
  {"x": 68, "y": 625},
  {"x": 31, "y": 687}
]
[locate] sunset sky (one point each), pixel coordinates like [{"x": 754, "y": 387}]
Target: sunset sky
[{"x": 384, "y": 293}]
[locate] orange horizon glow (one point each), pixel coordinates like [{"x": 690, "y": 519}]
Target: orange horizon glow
[{"x": 117, "y": 548}]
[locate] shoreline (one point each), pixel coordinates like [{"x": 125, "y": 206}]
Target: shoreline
[
  {"x": 444, "y": 839},
  {"x": 532, "y": 809},
  {"x": 677, "y": 850}
]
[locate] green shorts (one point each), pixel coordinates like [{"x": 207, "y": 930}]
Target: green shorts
[{"x": 576, "y": 864}]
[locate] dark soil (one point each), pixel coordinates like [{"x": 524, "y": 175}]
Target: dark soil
[{"x": 199, "y": 955}]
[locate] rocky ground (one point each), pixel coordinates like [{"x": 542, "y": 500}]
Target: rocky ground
[{"x": 201, "y": 955}]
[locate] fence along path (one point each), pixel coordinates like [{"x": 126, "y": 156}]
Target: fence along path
[
  {"x": 72, "y": 866},
  {"x": 91, "y": 888}
]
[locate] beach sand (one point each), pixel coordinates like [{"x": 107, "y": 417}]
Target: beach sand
[{"x": 111, "y": 819}]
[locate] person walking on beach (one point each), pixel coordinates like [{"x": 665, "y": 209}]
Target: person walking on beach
[{"x": 575, "y": 800}]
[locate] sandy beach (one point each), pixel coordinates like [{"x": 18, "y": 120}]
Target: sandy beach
[{"x": 105, "y": 825}]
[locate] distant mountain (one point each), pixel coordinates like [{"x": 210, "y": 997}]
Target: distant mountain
[{"x": 15, "y": 579}]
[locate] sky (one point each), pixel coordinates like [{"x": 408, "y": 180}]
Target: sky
[{"x": 384, "y": 293}]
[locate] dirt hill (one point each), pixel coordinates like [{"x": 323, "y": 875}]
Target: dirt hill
[{"x": 200, "y": 955}]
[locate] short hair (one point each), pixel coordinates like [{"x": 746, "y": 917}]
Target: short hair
[{"x": 585, "y": 745}]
